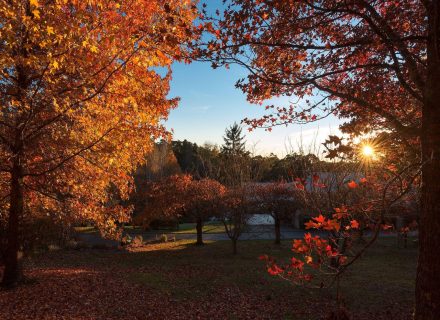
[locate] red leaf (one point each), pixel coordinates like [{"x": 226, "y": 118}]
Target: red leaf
[
  {"x": 354, "y": 224},
  {"x": 352, "y": 184}
]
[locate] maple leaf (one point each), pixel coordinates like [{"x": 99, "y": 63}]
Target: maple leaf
[
  {"x": 50, "y": 30},
  {"x": 352, "y": 184},
  {"x": 274, "y": 270},
  {"x": 333, "y": 225},
  {"x": 310, "y": 225},
  {"x": 354, "y": 224},
  {"x": 93, "y": 49},
  {"x": 36, "y": 13},
  {"x": 319, "y": 219},
  {"x": 340, "y": 213},
  {"x": 297, "y": 264}
]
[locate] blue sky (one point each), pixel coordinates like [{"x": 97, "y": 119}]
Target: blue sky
[{"x": 210, "y": 103}]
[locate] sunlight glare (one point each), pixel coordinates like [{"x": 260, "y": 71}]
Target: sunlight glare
[{"x": 367, "y": 151}]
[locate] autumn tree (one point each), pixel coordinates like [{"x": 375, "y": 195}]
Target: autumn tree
[
  {"x": 278, "y": 200},
  {"x": 163, "y": 199},
  {"x": 237, "y": 205},
  {"x": 182, "y": 195},
  {"x": 201, "y": 200},
  {"x": 81, "y": 103},
  {"x": 160, "y": 163},
  {"x": 376, "y": 63}
]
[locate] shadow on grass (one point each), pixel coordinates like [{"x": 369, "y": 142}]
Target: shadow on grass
[{"x": 178, "y": 280}]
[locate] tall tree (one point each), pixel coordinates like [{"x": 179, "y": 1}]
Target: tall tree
[
  {"x": 186, "y": 154},
  {"x": 81, "y": 103},
  {"x": 293, "y": 166},
  {"x": 376, "y": 62},
  {"x": 234, "y": 143},
  {"x": 235, "y": 160},
  {"x": 159, "y": 164}
]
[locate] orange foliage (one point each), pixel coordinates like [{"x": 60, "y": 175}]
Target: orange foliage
[{"x": 82, "y": 100}]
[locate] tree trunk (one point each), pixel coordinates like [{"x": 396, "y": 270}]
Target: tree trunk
[
  {"x": 428, "y": 269},
  {"x": 199, "y": 228},
  {"x": 277, "y": 230},
  {"x": 234, "y": 246},
  {"x": 12, "y": 272}
]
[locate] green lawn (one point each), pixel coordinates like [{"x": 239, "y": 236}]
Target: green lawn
[
  {"x": 178, "y": 280},
  {"x": 208, "y": 227}
]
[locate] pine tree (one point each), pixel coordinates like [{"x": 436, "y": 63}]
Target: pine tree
[
  {"x": 234, "y": 143},
  {"x": 235, "y": 158}
]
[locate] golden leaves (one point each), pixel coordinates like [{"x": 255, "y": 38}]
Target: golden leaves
[
  {"x": 54, "y": 65},
  {"x": 93, "y": 49},
  {"x": 50, "y": 30},
  {"x": 97, "y": 104},
  {"x": 36, "y": 13}
]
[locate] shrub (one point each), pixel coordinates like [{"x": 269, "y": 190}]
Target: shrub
[
  {"x": 126, "y": 239},
  {"x": 137, "y": 241},
  {"x": 163, "y": 238}
]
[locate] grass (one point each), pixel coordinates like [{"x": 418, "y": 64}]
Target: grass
[
  {"x": 208, "y": 227},
  {"x": 385, "y": 272},
  {"x": 189, "y": 228},
  {"x": 379, "y": 285},
  {"x": 85, "y": 229}
]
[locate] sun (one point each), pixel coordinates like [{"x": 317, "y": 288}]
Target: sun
[{"x": 367, "y": 151}]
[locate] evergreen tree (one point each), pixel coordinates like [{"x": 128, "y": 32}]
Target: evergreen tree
[
  {"x": 235, "y": 167},
  {"x": 234, "y": 143},
  {"x": 186, "y": 154}
]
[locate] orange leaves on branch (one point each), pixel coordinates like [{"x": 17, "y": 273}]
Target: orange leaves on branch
[
  {"x": 92, "y": 102},
  {"x": 323, "y": 223},
  {"x": 327, "y": 65},
  {"x": 340, "y": 213},
  {"x": 274, "y": 270},
  {"x": 315, "y": 252},
  {"x": 180, "y": 194}
]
